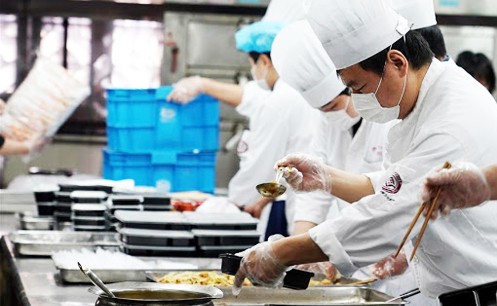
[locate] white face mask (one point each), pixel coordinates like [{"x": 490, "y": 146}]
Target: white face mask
[
  {"x": 369, "y": 108},
  {"x": 341, "y": 119},
  {"x": 259, "y": 81}
]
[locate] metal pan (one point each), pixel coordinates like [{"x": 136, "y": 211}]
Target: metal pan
[
  {"x": 312, "y": 296},
  {"x": 143, "y": 293}
]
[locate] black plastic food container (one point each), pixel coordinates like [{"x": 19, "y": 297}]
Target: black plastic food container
[
  {"x": 481, "y": 295},
  {"x": 294, "y": 279},
  {"x": 156, "y": 199},
  {"x": 44, "y": 196},
  {"x": 71, "y": 187},
  {"x": 45, "y": 208}
]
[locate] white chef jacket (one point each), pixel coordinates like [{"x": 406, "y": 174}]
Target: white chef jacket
[
  {"x": 362, "y": 153},
  {"x": 454, "y": 119},
  {"x": 280, "y": 123}
]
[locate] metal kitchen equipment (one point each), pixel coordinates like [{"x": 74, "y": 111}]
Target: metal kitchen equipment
[
  {"x": 43, "y": 243},
  {"x": 333, "y": 295},
  {"x": 96, "y": 281},
  {"x": 30, "y": 221},
  {"x": 272, "y": 189},
  {"x": 155, "y": 294}
]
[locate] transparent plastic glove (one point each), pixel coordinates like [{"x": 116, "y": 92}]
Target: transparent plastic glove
[
  {"x": 325, "y": 268},
  {"x": 464, "y": 185},
  {"x": 390, "y": 266},
  {"x": 305, "y": 173},
  {"x": 261, "y": 266},
  {"x": 187, "y": 89}
]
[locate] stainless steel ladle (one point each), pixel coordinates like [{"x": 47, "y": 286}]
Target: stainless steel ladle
[
  {"x": 96, "y": 280},
  {"x": 272, "y": 189}
]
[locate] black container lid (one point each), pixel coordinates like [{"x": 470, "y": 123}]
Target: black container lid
[
  {"x": 294, "y": 279},
  {"x": 75, "y": 187}
]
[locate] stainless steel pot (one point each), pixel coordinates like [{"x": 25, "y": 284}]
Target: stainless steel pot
[{"x": 155, "y": 294}]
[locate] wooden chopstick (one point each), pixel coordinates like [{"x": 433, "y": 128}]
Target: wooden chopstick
[
  {"x": 433, "y": 204},
  {"x": 411, "y": 226},
  {"x": 415, "y": 220}
]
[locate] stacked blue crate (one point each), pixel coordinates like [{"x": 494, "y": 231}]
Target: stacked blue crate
[{"x": 156, "y": 142}]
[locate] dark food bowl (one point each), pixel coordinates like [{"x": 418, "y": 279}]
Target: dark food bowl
[{"x": 294, "y": 279}]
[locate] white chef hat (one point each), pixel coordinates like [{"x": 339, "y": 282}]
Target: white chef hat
[
  {"x": 300, "y": 60},
  {"x": 354, "y": 30},
  {"x": 419, "y": 13},
  {"x": 286, "y": 11}
]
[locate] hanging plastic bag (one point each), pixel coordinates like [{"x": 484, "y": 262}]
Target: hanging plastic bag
[{"x": 42, "y": 103}]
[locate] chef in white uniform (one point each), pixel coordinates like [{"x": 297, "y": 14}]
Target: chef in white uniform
[
  {"x": 309, "y": 70},
  {"x": 363, "y": 38},
  {"x": 280, "y": 121}
]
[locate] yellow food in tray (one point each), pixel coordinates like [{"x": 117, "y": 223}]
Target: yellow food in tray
[
  {"x": 214, "y": 278},
  {"x": 200, "y": 278}
]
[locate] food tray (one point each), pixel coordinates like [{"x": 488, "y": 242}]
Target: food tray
[
  {"x": 88, "y": 210},
  {"x": 63, "y": 207},
  {"x": 113, "y": 208},
  {"x": 134, "y": 236},
  {"x": 141, "y": 250},
  {"x": 30, "y": 222},
  {"x": 61, "y": 216},
  {"x": 226, "y": 237},
  {"x": 168, "y": 220},
  {"x": 159, "y": 265},
  {"x": 45, "y": 194},
  {"x": 88, "y": 221},
  {"x": 43, "y": 243},
  {"x": 313, "y": 296},
  {"x": 232, "y": 221},
  {"x": 63, "y": 197}
]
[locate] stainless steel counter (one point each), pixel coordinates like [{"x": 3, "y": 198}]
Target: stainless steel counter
[{"x": 35, "y": 281}]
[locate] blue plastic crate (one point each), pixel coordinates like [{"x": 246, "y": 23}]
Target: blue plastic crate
[
  {"x": 194, "y": 126},
  {"x": 181, "y": 171},
  {"x": 132, "y": 107}
]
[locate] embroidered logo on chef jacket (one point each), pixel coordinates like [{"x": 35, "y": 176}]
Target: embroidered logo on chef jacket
[{"x": 391, "y": 186}]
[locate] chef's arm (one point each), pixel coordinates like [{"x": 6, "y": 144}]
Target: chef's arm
[
  {"x": 348, "y": 186},
  {"x": 229, "y": 93},
  {"x": 491, "y": 176},
  {"x": 12, "y": 147},
  {"x": 301, "y": 227},
  {"x": 297, "y": 250}
]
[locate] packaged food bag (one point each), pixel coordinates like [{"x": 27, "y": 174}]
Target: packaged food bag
[{"x": 43, "y": 102}]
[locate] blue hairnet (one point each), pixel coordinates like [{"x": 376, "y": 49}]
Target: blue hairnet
[{"x": 258, "y": 36}]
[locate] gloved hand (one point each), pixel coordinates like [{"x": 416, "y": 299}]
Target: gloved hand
[
  {"x": 325, "y": 268},
  {"x": 462, "y": 186},
  {"x": 261, "y": 266},
  {"x": 390, "y": 266},
  {"x": 305, "y": 173},
  {"x": 187, "y": 89}
]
